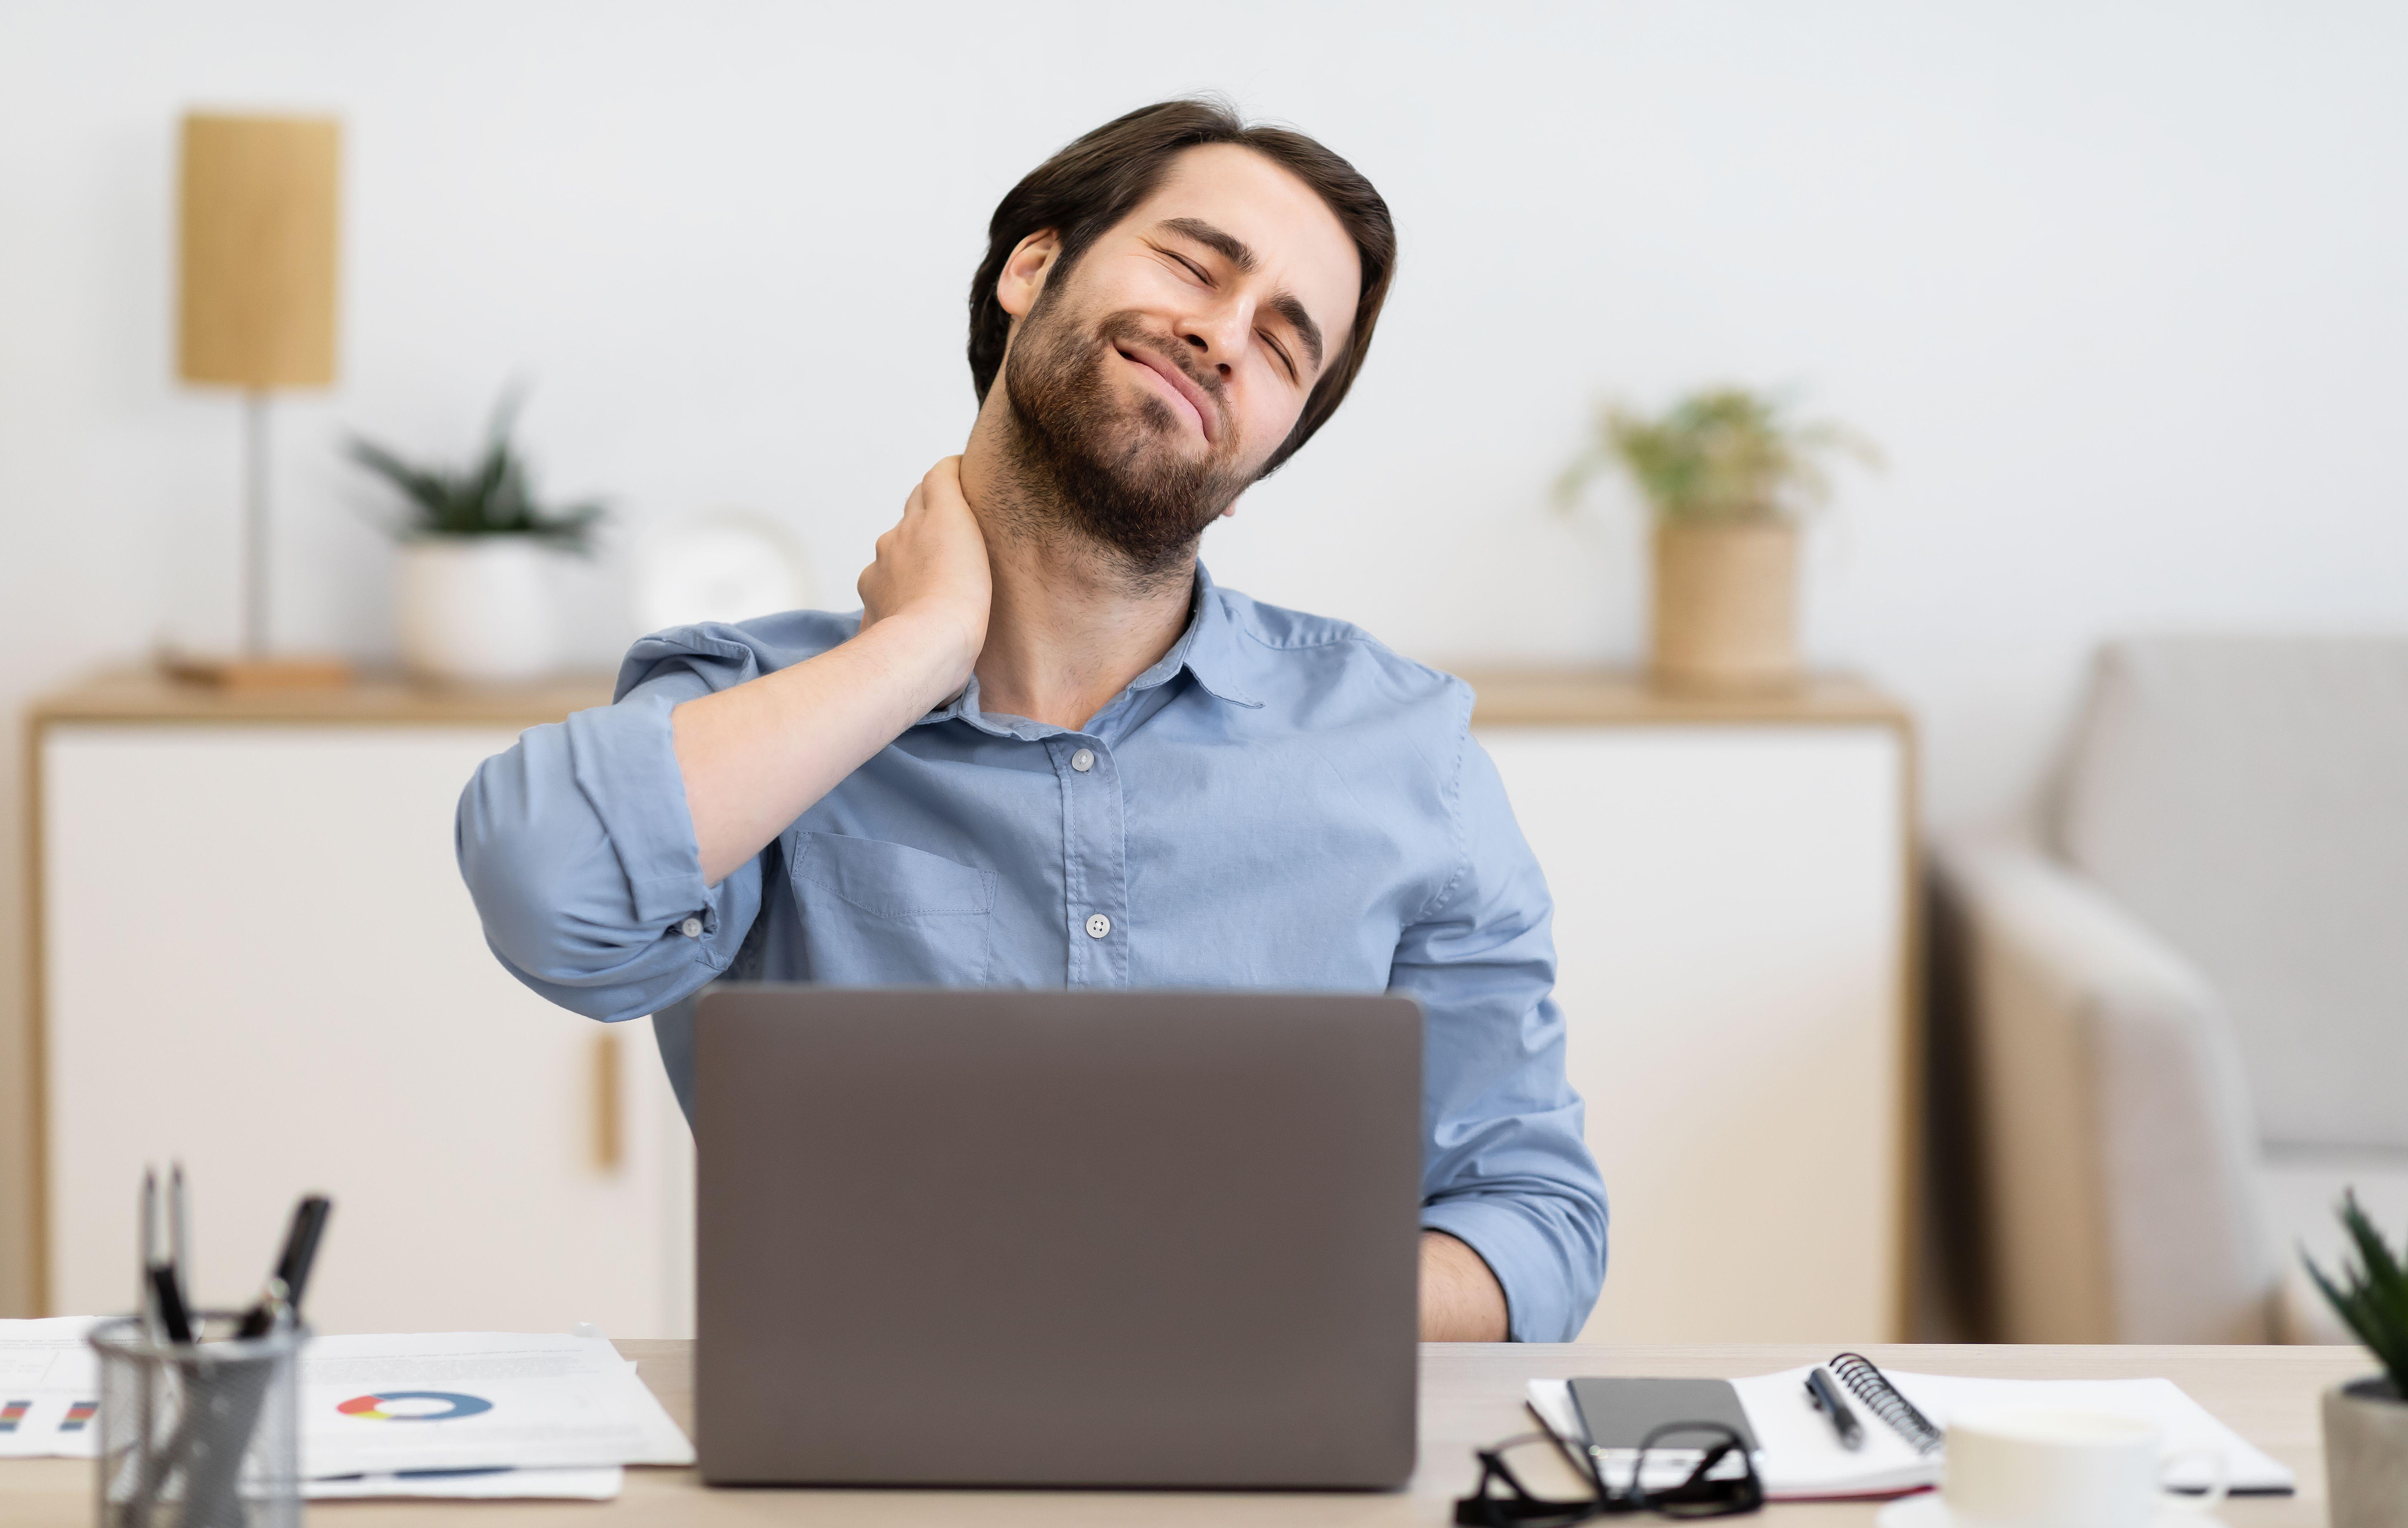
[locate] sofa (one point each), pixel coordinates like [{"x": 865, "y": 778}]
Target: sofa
[{"x": 2179, "y": 988}]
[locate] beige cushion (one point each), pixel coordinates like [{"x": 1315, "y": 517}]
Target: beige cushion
[
  {"x": 2300, "y": 1190},
  {"x": 2117, "y": 1157},
  {"x": 2248, "y": 798}
]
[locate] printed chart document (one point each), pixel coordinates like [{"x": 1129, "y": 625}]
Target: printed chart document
[
  {"x": 462, "y": 1414},
  {"x": 379, "y": 1405},
  {"x": 595, "y": 1485},
  {"x": 49, "y": 1388}
]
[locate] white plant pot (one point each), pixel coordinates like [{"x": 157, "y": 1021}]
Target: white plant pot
[
  {"x": 2366, "y": 1454},
  {"x": 477, "y": 609}
]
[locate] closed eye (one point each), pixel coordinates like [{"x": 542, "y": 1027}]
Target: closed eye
[
  {"x": 1190, "y": 266},
  {"x": 1270, "y": 342}
]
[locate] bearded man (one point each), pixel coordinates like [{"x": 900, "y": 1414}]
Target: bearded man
[{"x": 1049, "y": 751}]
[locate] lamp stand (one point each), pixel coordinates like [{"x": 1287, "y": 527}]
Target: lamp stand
[
  {"x": 254, "y": 669},
  {"x": 255, "y": 524}
]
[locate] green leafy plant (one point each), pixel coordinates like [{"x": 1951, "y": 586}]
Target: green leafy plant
[
  {"x": 494, "y": 495},
  {"x": 1722, "y": 456},
  {"x": 2370, "y": 1297}
]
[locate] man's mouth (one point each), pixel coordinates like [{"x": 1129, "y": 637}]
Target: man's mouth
[{"x": 1176, "y": 389}]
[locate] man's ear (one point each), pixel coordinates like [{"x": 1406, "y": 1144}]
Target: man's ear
[{"x": 1024, "y": 275}]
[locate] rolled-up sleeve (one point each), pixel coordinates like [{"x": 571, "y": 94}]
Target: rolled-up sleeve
[
  {"x": 1505, "y": 1169},
  {"x": 579, "y": 853}
]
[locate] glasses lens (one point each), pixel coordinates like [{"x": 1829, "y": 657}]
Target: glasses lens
[
  {"x": 1525, "y": 1482},
  {"x": 1696, "y": 1470}
]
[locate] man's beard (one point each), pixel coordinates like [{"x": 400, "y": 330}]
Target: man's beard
[{"x": 1108, "y": 471}]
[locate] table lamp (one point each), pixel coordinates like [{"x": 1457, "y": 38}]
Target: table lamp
[{"x": 257, "y": 311}]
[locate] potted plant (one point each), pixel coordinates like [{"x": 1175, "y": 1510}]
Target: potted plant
[
  {"x": 2366, "y": 1421},
  {"x": 1728, "y": 475},
  {"x": 475, "y": 597}
]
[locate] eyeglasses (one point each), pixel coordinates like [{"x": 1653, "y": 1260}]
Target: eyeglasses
[{"x": 1683, "y": 1469}]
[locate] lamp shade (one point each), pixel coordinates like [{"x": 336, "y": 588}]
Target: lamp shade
[{"x": 261, "y": 196}]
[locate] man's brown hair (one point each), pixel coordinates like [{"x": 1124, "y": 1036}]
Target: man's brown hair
[{"x": 1094, "y": 183}]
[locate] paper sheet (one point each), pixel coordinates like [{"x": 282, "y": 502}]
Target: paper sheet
[
  {"x": 1801, "y": 1458},
  {"x": 464, "y": 1400},
  {"x": 557, "y": 1414},
  {"x": 49, "y": 1388},
  {"x": 590, "y": 1485},
  {"x": 2184, "y": 1423}
]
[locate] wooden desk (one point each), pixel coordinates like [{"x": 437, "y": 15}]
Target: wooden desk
[{"x": 1470, "y": 1394}]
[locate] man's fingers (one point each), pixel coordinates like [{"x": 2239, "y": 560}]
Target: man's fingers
[{"x": 943, "y": 485}]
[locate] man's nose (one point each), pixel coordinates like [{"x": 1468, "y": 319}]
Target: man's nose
[{"x": 1218, "y": 337}]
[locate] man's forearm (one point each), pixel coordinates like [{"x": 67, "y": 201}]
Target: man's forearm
[
  {"x": 756, "y": 757},
  {"x": 1461, "y": 1300}
]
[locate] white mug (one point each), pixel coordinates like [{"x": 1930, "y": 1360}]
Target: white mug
[{"x": 2046, "y": 1467}]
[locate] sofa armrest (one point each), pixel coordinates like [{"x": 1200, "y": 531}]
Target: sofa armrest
[{"x": 2117, "y": 1146}]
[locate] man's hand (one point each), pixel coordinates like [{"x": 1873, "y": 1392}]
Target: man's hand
[
  {"x": 931, "y": 576},
  {"x": 756, "y": 757},
  {"x": 1461, "y": 1300}
]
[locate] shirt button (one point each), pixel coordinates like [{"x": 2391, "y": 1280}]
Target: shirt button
[
  {"x": 1083, "y": 760},
  {"x": 691, "y": 928},
  {"x": 1097, "y": 926}
]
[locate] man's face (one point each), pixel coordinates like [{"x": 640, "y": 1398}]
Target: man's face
[{"x": 1152, "y": 381}]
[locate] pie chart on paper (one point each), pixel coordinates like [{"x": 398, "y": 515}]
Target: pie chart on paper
[{"x": 414, "y": 1406}]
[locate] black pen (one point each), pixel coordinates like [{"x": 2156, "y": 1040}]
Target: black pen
[
  {"x": 291, "y": 1275},
  {"x": 173, "y": 1318},
  {"x": 180, "y": 1229},
  {"x": 166, "y": 1277},
  {"x": 1825, "y": 1399},
  {"x": 148, "y": 1291}
]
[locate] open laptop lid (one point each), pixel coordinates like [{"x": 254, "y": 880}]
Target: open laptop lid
[{"x": 1063, "y": 1238}]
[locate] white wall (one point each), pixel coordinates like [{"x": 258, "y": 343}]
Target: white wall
[{"x": 2118, "y": 288}]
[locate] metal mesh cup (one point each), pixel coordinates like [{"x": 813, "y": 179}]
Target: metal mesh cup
[{"x": 201, "y": 1436}]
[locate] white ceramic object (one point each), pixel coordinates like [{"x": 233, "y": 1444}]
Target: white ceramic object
[
  {"x": 2366, "y": 1454},
  {"x": 725, "y": 566},
  {"x": 2047, "y": 1467},
  {"x": 477, "y": 609}
]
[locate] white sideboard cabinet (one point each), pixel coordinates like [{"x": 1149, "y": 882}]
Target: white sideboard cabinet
[
  {"x": 256, "y": 954},
  {"x": 1734, "y": 931}
]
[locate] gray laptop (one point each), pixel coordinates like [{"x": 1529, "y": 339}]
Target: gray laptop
[{"x": 1056, "y": 1238}]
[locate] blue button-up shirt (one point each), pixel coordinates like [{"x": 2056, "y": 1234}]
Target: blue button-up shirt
[{"x": 1280, "y": 802}]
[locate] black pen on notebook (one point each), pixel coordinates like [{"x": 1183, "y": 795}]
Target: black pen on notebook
[{"x": 1825, "y": 1398}]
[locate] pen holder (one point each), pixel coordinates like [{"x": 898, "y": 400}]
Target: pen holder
[{"x": 205, "y": 1435}]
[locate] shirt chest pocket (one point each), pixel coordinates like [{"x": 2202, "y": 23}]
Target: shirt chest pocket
[{"x": 876, "y": 914}]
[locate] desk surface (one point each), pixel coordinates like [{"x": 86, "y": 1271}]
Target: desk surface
[{"x": 1470, "y": 1394}]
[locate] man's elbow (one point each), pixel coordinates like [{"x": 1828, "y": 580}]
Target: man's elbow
[{"x": 539, "y": 881}]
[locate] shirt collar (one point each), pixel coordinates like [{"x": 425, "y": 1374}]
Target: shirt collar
[{"x": 1209, "y": 649}]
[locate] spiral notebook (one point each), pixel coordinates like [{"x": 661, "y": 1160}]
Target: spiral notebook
[{"x": 1905, "y": 1415}]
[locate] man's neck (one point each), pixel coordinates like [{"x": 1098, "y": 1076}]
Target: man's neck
[{"x": 1072, "y": 623}]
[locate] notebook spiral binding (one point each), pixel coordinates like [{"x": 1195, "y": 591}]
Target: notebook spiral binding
[{"x": 1881, "y": 1399}]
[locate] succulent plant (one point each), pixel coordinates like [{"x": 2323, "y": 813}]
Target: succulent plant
[
  {"x": 2370, "y": 1297},
  {"x": 492, "y": 496}
]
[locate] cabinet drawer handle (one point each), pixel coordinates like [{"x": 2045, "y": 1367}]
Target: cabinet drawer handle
[{"x": 609, "y": 1133}]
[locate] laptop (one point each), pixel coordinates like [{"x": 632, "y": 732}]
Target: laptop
[{"x": 1048, "y": 1238}]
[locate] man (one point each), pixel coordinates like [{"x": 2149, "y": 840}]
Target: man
[{"x": 1051, "y": 752}]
